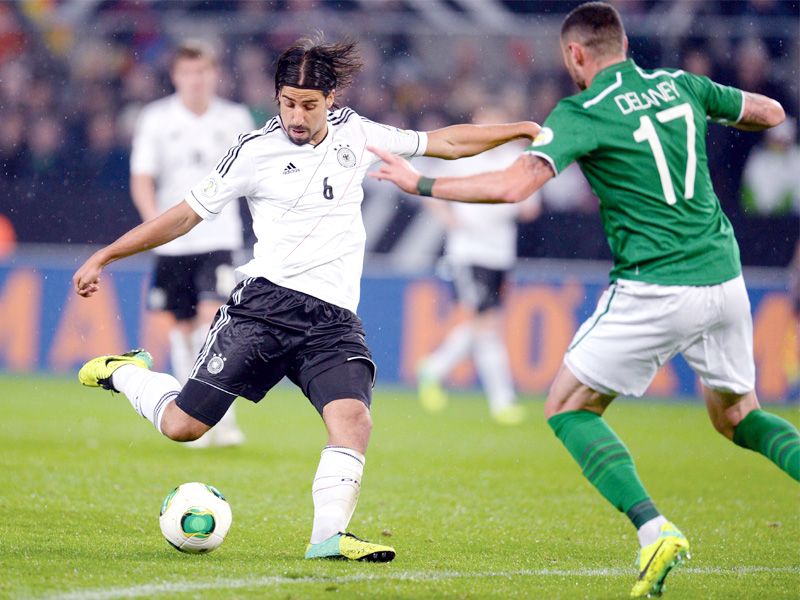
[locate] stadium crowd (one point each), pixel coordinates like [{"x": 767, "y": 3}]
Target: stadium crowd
[{"x": 74, "y": 75}]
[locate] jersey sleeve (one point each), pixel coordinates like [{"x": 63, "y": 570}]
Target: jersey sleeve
[
  {"x": 144, "y": 151},
  {"x": 567, "y": 134},
  {"x": 392, "y": 139},
  {"x": 723, "y": 104},
  {"x": 232, "y": 178}
]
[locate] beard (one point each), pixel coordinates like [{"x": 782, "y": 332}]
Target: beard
[{"x": 306, "y": 133}]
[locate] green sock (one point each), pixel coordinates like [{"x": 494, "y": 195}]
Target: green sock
[
  {"x": 773, "y": 437},
  {"x": 605, "y": 462}
]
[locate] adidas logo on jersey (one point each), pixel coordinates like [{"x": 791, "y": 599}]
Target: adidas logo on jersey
[{"x": 290, "y": 168}]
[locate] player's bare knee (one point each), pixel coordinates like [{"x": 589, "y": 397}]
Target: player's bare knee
[
  {"x": 180, "y": 427},
  {"x": 180, "y": 432},
  {"x": 552, "y": 407},
  {"x": 361, "y": 419},
  {"x": 348, "y": 413},
  {"x": 726, "y": 410}
]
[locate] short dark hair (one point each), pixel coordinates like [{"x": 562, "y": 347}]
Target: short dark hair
[
  {"x": 193, "y": 49},
  {"x": 597, "y": 26},
  {"x": 312, "y": 64}
]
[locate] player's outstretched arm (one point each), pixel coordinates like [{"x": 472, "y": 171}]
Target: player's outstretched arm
[
  {"x": 458, "y": 141},
  {"x": 164, "y": 228},
  {"x": 760, "y": 112},
  {"x": 514, "y": 184}
]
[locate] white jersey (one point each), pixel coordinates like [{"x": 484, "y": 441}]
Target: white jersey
[
  {"x": 178, "y": 147},
  {"x": 485, "y": 234},
  {"x": 305, "y": 201}
]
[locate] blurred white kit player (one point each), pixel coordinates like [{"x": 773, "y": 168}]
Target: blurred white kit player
[
  {"x": 480, "y": 250},
  {"x": 177, "y": 141}
]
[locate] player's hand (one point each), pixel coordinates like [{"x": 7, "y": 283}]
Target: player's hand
[
  {"x": 87, "y": 279},
  {"x": 397, "y": 170},
  {"x": 532, "y": 129}
]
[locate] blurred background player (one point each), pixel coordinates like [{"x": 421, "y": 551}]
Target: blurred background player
[
  {"x": 771, "y": 177},
  {"x": 177, "y": 141},
  {"x": 480, "y": 250}
]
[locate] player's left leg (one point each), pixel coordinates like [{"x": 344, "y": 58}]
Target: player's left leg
[
  {"x": 227, "y": 431},
  {"x": 740, "y": 419},
  {"x": 344, "y": 394},
  {"x": 723, "y": 357}
]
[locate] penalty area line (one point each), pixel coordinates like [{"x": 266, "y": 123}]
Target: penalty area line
[{"x": 270, "y": 581}]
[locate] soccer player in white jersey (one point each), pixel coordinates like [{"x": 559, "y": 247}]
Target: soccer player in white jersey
[
  {"x": 480, "y": 250},
  {"x": 293, "y": 312},
  {"x": 676, "y": 285},
  {"x": 178, "y": 140}
]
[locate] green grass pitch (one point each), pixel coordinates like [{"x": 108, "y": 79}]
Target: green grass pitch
[{"x": 474, "y": 509}]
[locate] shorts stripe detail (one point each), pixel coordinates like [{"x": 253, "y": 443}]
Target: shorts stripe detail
[
  {"x": 371, "y": 362},
  {"x": 216, "y": 387},
  {"x": 608, "y": 307},
  {"x": 223, "y": 320}
]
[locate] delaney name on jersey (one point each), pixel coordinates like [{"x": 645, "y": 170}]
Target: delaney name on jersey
[{"x": 665, "y": 91}]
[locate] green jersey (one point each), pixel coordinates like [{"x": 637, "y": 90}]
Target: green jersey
[{"x": 639, "y": 138}]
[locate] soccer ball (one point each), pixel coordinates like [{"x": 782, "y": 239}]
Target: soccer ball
[{"x": 195, "y": 518}]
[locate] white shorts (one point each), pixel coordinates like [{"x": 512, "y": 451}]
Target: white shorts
[{"x": 638, "y": 327}]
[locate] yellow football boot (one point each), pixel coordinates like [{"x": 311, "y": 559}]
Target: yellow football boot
[
  {"x": 348, "y": 546},
  {"x": 97, "y": 372},
  {"x": 656, "y": 561}
]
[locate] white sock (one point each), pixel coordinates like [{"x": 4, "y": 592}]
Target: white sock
[
  {"x": 649, "y": 532},
  {"x": 181, "y": 354},
  {"x": 455, "y": 347},
  {"x": 147, "y": 391},
  {"x": 491, "y": 362},
  {"x": 335, "y": 491}
]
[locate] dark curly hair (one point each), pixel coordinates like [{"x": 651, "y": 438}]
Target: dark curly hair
[{"x": 312, "y": 64}]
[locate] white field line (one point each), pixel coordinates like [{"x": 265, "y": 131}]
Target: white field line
[{"x": 270, "y": 581}]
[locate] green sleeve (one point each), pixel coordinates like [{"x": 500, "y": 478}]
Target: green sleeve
[
  {"x": 567, "y": 134},
  {"x": 723, "y": 103}
]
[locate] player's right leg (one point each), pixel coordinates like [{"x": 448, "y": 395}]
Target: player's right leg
[
  {"x": 153, "y": 395},
  {"x": 574, "y": 411}
]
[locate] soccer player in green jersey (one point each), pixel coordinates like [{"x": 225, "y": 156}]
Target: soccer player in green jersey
[{"x": 676, "y": 286}]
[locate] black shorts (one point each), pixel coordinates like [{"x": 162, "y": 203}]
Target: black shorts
[
  {"x": 265, "y": 332},
  {"x": 479, "y": 288},
  {"x": 180, "y": 282}
]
